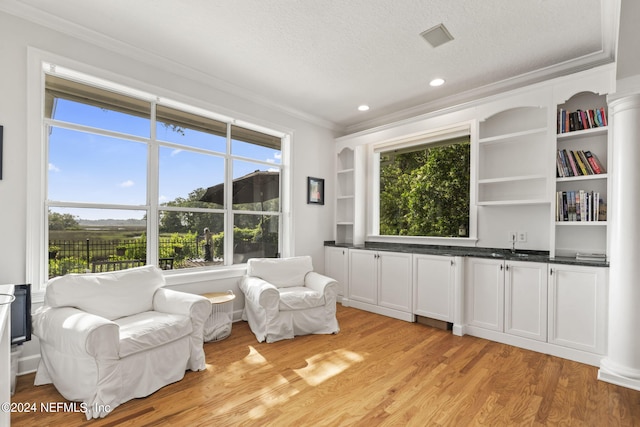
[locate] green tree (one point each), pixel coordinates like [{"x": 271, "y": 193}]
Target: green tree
[
  {"x": 184, "y": 222},
  {"x": 58, "y": 221},
  {"x": 425, "y": 193}
]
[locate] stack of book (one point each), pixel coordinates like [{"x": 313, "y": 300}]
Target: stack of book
[
  {"x": 569, "y": 121},
  {"x": 591, "y": 256},
  {"x": 580, "y": 206},
  {"x": 578, "y": 163}
]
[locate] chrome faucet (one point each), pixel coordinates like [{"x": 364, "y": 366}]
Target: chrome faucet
[{"x": 513, "y": 244}]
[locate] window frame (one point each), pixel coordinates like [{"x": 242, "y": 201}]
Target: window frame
[
  {"x": 434, "y": 136},
  {"x": 41, "y": 63}
]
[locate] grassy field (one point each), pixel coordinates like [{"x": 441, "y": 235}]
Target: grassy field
[{"x": 98, "y": 233}]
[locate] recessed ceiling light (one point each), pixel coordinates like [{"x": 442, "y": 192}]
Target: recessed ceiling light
[
  {"x": 363, "y": 108},
  {"x": 436, "y": 82}
]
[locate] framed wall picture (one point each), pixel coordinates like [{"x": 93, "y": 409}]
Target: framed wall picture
[{"x": 315, "y": 191}]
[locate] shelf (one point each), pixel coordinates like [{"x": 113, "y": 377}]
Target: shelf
[
  {"x": 582, "y": 223},
  {"x": 576, "y": 134},
  {"x": 511, "y": 137},
  {"x": 345, "y": 171},
  {"x": 514, "y": 202},
  {"x": 511, "y": 179},
  {"x": 582, "y": 178},
  {"x": 347, "y": 197},
  {"x": 344, "y": 223}
]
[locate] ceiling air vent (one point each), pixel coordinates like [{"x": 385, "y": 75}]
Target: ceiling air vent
[{"x": 437, "y": 35}]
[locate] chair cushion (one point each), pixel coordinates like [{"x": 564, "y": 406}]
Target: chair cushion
[
  {"x": 299, "y": 298},
  {"x": 280, "y": 272},
  {"x": 150, "y": 329},
  {"x": 110, "y": 295}
]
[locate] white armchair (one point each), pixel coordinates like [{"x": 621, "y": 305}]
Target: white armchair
[
  {"x": 106, "y": 338},
  {"x": 284, "y": 298}
]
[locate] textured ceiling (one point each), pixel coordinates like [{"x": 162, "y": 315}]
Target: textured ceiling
[{"x": 322, "y": 58}]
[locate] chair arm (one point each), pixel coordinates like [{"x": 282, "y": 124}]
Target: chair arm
[
  {"x": 197, "y": 307},
  {"x": 320, "y": 283},
  {"x": 77, "y": 333},
  {"x": 260, "y": 292}
]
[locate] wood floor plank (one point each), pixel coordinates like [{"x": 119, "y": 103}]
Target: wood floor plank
[{"x": 376, "y": 372}]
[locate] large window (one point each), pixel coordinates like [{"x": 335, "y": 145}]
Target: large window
[
  {"x": 424, "y": 188},
  {"x": 133, "y": 179}
]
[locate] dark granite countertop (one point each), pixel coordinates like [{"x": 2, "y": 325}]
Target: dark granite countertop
[{"x": 496, "y": 253}]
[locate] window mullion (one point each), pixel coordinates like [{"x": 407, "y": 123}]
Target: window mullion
[
  {"x": 153, "y": 177},
  {"x": 228, "y": 202}
]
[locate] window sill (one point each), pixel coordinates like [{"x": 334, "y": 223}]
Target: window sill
[
  {"x": 423, "y": 240},
  {"x": 186, "y": 276}
]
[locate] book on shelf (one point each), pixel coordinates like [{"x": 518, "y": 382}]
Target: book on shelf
[
  {"x": 570, "y": 121},
  {"x": 580, "y": 206},
  {"x": 577, "y": 163},
  {"x": 594, "y": 162},
  {"x": 591, "y": 256}
]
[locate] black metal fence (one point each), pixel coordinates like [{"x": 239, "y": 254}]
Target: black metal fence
[{"x": 70, "y": 256}]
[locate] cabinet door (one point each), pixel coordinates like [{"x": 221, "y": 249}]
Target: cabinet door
[
  {"x": 394, "y": 278},
  {"x": 578, "y": 307},
  {"x": 336, "y": 266},
  {"x": 525, "y": 302},
  {"x": 363, "y": 276},
  {"x": 433, "y": 281},
  {"x": 484, "y": 289}
]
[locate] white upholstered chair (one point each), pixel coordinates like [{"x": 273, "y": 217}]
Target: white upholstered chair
[
  {"x": 106, "y": 338},
  {"x": 284, "y": 297}
]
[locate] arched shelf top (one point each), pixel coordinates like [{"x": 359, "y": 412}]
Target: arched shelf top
[
  {"x": 585, "y": 100},
  {"x": 513, "y": 120},
  {"x": 345, "y": 159}
]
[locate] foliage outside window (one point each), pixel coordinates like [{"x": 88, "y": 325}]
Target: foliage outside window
[
  {"x": 424, "y": 190},
  {"x": 132, "y": 181}
]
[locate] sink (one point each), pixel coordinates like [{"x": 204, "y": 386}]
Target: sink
[{"x": 519, "y": 255}]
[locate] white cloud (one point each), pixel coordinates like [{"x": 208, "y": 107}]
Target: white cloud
[
  {"x": 127, "y": 183},
  {"x": 163, "y": 199},
  {"x": 277, "y": 156},
  {"x": 53, "y": 168},
  {"x": 176, "y": 152}
]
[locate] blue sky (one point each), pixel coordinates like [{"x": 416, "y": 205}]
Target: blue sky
[{"x": 94, "y": 168}]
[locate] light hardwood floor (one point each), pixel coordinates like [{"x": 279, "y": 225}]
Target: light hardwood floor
[{"x": 376, "y": 371}]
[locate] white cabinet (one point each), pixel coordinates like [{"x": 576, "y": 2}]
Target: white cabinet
[
  {"x": 434, "y": 279},
  {"x": 507, "y": 296},
  {"x": 363, "y": 276},
  {"x": 484, "y": 293},
  {"x": 525, "y": 299},
  {"x": 381, "y": 282},
  {"x": 336, "y": 266},
  {"x": 578, "y": 307}
]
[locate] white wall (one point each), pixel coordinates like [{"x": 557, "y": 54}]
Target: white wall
[{"x": 312, "y": 144}]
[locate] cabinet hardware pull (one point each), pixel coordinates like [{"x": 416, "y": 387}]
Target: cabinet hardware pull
[
  {"x": 501, "y": 267},
  {"x": 551, "y": 271},
  {"x": 507, "y": 267},
  {"x": 452, "y": 262}
]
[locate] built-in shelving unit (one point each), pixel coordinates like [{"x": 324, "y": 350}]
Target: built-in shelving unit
[
  {"x": 580, "y": 233},
  {"x": 345, "y": 196},
  {"x": 512, "y": 167}
]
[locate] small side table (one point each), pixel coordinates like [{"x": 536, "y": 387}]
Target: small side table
[{"x": 218, "y": 326}]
